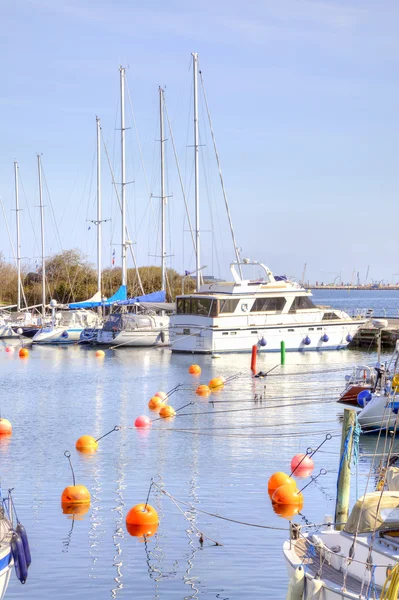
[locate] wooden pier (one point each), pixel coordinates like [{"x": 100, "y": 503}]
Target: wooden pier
[{"x": 367, "y": 335}]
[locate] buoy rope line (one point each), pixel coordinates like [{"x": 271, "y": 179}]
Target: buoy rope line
[
  {"x": 255, "y": 408},
  {"x": 216, "y": 515},
  {"x": 68, "y": 455},
  {"x": 260, "y": 398},
  {"x": 116, "y": 428},
  {"x": 239, "y": 427},
  {"x": 290, "y": 434}
]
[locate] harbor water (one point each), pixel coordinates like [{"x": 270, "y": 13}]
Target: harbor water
[{"x": 216, "y": 455}]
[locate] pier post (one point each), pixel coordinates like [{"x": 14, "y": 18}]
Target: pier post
[
  {"x": 344, "y": 471},
  {"x": 282, "y": 352},
  {"x": 253, "y": 358}
]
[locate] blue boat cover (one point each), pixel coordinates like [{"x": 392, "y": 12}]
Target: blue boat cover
[
  {"x": 154, "y": 297},
  {"x": 120, "y": 294}
]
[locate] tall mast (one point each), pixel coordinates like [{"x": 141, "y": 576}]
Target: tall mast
[
  {"x": 163, "y": 197},
  {"x": 123, "y": 174},
  {"x": 196, "y": 169},
  {"x": 39, "y": 168},
  {"x": 98, "y": 204},
  {"x": 18, "y": 239}
]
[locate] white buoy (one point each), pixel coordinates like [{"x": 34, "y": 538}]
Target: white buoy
[
  {"x": 297, "y": 584},
  {"x": 313, "y": 588}
]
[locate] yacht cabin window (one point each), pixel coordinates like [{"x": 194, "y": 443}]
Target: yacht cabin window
[
  {"x": 205, "y": 307},
  {"x": 263, "y": 304},
  {"x": 302, "y": 302},
  {"x": 228, "y": 306}
]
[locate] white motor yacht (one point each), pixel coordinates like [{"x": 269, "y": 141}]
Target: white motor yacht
[{"x": 234, "y": 316}]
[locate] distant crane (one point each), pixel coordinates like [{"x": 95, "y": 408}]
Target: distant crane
[
  {"x": 358, "y": 278},
  {"x": 367, "y": 274}
]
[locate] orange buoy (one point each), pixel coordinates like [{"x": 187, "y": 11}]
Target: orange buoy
[
  {"x": 277, "y": 480},
  {"x": 142, "y": 514},
  {"x": 24, "y": 353},
  {"x": 203, "y": 390},
  {"x": 287, "y": 494},
  {"x": 155, "y": 402},
  {"x": 142, "y": 531},
  {"x": 301, "y": 461},
  {"x": 167, "y": 411},
  {"x": 75, "y": 494},
  {"x": 100, "y": 353},
  {"x": 143, "y": 421},
  {"x": 76, "y": 510},
  {"x": 162, "y": 395},
  {"x": 86, "y": 443},
  {"x": 5, "y": 427},
  {"x": 216, "y": 384},
  {"x": 287, "y": 511},
  {"x": 194, "y": 370}
]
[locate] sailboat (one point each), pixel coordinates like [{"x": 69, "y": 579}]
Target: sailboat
[
  {"x": 147, "y": 322},
  {"x": 66, "y": 325},
  {"x": 264, "y": 311}
]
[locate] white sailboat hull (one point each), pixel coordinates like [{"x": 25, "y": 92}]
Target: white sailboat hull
[
  {"x": 6, "y": 331},
  {"x": 57, "y": 335},
  {"x": 6, "y": 565},
  {"x": 241, "y": 339},
  {"x": 377, "y": 413}
]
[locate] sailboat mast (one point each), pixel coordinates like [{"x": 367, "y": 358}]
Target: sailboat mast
[
  {"x": 196, "y": 171},
  {"x": 98, "y": 205},
  {"x": 163, "y": 197},
  {"x": 123, "y": 174},
  {"x": 39, "y": 168},
  {"x": 18, "y": 238}
]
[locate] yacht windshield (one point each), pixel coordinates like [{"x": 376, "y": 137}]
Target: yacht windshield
[
  {"x": 264, "y": 304},
  {"x": 205, "y": 307},
  {"x": 301, "y": 303}
]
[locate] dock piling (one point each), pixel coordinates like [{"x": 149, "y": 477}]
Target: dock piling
[
  {"x": 344, "y": 472},
  {"x": 282, "y": 352}
]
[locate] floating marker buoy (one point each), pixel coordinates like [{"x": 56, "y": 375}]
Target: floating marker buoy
[
  {"x": 349, "y": 338},
  {"x": 162, "y": 395},
  {"x": 86, "y": 443},
  {"x": 155, "y": 402},
  {"x": 203, "y": 390},
  {"x": 75, "y": 494},
  {"x": 287, "y": 494},
  {"x": 194, "y": 370},
  {"x": 167, "y": 411},
  {"x": 10, "y": 349},
  {"x": 287, "y": 511},
  {"x": 5, "y": 427},
  {"x": 278, "y": 479},
  {"x": 304, "y": 459},
  {"x": 23, "y": 353},
  {"x": 143, "y": 421},
  {"x": 143, "y": 531},
  {"x": 100, "y": 353},
  {"x": 324, "y": 338},
  {"x": 307, "y": 340},
  {"x": 301, "y": 473},
  {"x": 142, "y": 514},
  {"x": 216, "y": 384}
]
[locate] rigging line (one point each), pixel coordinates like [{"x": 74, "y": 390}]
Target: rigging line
[
  {"x": 12, "y": 247},
  {"x": 120, "y": 206},
  {"x": 237, "y": 253},
  {"x": 139, "y": 145},
  {"x": 180, "y": 176}
]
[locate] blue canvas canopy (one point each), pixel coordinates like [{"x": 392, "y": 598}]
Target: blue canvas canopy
[
  {"x": 154, "y": 297},
  {"x": 120, "y": 294}
]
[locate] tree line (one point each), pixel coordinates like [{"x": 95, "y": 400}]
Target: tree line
[{"x": 71, "y": 278}]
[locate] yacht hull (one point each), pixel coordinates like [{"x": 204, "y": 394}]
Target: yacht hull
[
  {"x": 208, "y": 340},
  {"x": 57, "y": 335},
  {"x": 6, "y": 565},
  {"x": 138, "y": 339}
]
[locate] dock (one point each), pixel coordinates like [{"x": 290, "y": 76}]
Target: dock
[{"x": 367, "y": 335}]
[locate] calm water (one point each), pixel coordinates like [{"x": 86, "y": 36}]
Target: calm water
[{"x": 217, "y": 456}]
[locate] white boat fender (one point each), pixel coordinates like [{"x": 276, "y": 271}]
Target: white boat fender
[
  {"x": 296, "y": 585},
  {"x": 313, "y": 588}
]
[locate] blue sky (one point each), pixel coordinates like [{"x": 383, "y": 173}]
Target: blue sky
[{"x": 304, "y": 101}]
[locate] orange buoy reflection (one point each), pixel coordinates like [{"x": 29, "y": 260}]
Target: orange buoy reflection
[
  {"x": 287, "y": 511},
  {"x": 77, "y": 511},
  {"x": 142, "y": 531}
]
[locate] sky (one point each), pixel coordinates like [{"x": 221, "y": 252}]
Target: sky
[{"x": 303, "y": 96}]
